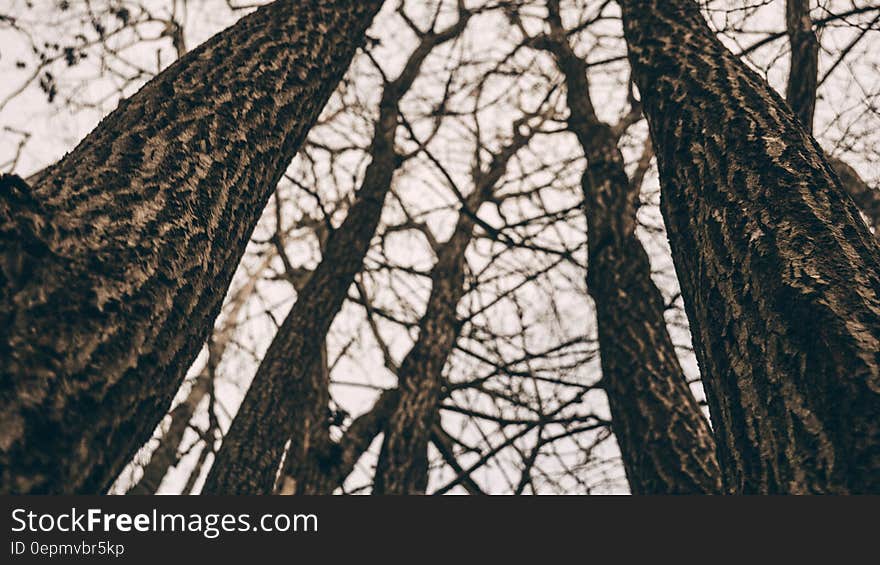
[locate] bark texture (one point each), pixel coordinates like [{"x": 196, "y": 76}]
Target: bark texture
[
  {"x": 665, "y": 441},
  {"x": 116, "y": 259},
  {"x": 167, "y": 454},
  {"x": 288, "y": 395},
  {"x": 800, "y": 93},
  {"x": 781, "y": 278}
]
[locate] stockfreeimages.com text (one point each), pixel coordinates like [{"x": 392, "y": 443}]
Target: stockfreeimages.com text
[{"x": 209, "y": 525}]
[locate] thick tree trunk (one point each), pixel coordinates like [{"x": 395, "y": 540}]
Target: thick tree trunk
[
  {"x": 287, "y": 393},
  {"x": 115, "y": 262},
  {"x": 665, "y": 442},
  {"x": 781, "y": 278}
]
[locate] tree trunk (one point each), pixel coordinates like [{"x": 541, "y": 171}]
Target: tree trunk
[
  {"x": 665, "y": 442},
  {"x": 800, "y": 91},
  {"x": 780, "y": 277},
  {"x": 287, "y": 390},
  {"x": 116, "y": 260},
  {"x": 167, "y": 454},
  {"x": 402, "y": 467},
  {"x": 309, "y": 463}
]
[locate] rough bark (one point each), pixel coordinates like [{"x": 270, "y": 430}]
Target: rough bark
[
  {"x": 780, "y": 277},
  {"x": 665, "y": 441},
  {"x": 309, "y": 459},
  {"x": 287, "y": 388},
  {"x": 116, "y": 260},
  {"x": 402, "y": 467},
  {"x": 800, "y": 93},
  {"x": 167, "y": 454}
]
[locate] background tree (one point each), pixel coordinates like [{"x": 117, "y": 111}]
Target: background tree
[
  {"x": 801, "y": 91},
  {"x": 665, "y": 440}
]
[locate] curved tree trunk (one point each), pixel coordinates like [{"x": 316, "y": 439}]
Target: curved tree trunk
[
  {"x": 781, "y": 278},
  {"x": 288, "y": 395},
  {"x": 665, "y": 442},
  {"x": 115, "y": 262},
  {"x": 402, "y": 467}
]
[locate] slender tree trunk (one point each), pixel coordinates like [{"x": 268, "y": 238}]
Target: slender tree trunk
[
  {"x": 116, "y": 260},
  {"x": 781, "y": 278},
  {"x": 800, "y": 93},
  {"x": 287, "y": 388},
  {"x": 665, "y": 442},
  {"x": 402, "y": 467}
]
